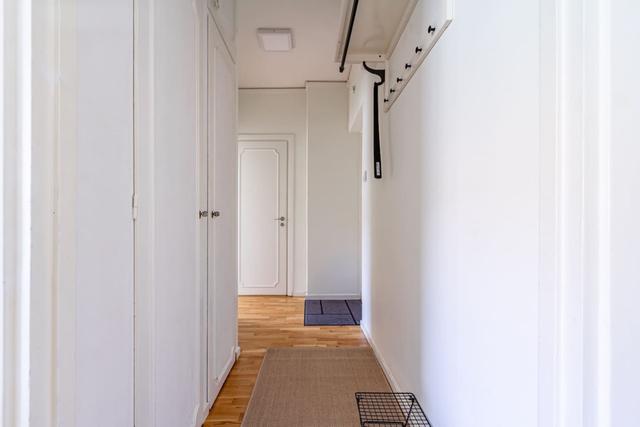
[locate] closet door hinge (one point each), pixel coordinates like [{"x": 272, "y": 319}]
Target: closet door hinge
[{"x": 134, "y": 206}]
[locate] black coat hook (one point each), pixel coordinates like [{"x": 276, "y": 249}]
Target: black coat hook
[
  {"x": 418, "y": 49},
  {"x": 398, "y": 79},
  {"x": 407, "y": 66},
  {"x": 431, "y": 29}
]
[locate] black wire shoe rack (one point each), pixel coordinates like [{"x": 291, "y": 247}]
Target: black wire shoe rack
[{"x": 390, "y": 409}]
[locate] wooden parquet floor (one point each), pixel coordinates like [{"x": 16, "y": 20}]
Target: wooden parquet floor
[{"x": 265, "y": 322}]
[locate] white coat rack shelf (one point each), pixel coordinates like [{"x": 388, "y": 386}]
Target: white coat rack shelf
[{"x": 398, "y": 79}]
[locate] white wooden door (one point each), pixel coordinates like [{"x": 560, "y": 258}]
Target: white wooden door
[
  {"x": 203, "y": 226},
  {"x": 223, "y": 203},
  {"x": 263, "y": 221}
]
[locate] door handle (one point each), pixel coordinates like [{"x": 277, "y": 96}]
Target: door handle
[
  {"x": 215, "y": 214},
  {"x": 203, "y": 214},
  {"x": 280, "y": 219}
]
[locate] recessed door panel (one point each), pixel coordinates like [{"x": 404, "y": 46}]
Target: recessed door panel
[
  {"x": 263, "y": 222},
  {"x": 222, "y": 202}
]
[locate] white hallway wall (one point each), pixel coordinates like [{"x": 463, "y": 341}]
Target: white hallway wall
[
  {"x": 500, "y": 247},
  {"x": 464, "y": 182},
  {"x": 450, "y": 234},
  {"x": 625, "y": 211},
  {"x": 283, "y": 111},
  {"x": 334, "y": 193},
  {"x": 327, "y": 187}
]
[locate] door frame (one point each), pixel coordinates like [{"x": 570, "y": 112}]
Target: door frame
[
  {"x": 575, "y": 234},
  {"x": 290, "y": 140}
]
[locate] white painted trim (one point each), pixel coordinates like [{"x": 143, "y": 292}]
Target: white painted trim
[
  {"x": 385, "y": 367},
  {"x": 548, "y": 298},
  {"x": 66, "y": 219},
  {"x": 290, "y": 139},
  {"x": 603, "y": 415},
  {"x": 381, "y": 56},
  {"x": 574, "y": 329},
  {"x": 29, "y": 132},
  {"x": 201, "y": 414},
  {"x": 23, "y": 204},
  {"x": 201, "y": 308},
  {"x": 15, "y": 302},
  {"x": 333, "y": 296},
  {"x": 359, "y": 58},
  {"x": 272, "y": 91},
  {"x": 416, "y": 59},
  {"x": 345, "y": 14},
  {"x": 213, "y": 12},
  {"x": 401, "y": 27},
  {"x": 45, "y": 95},
  {"x": 144, "y": 226}
]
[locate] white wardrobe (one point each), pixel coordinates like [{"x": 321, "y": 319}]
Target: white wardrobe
[
  {"x": 220, "y": 175},
  {"x": 186, "y": 326},
  {"x": 146, "y": 250}
]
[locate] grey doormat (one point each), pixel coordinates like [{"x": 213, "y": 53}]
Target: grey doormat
[{"x": 332, "y": 312}]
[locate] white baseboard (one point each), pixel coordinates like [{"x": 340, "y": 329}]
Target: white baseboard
[
  {"x": 333, "y": 296},
  {"x": 197, "y": 414},
  {"x": 387, "y": 372},
  {"x": 202, "y": 414}
]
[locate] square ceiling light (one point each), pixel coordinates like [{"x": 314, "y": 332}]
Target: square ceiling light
[{"x": 275, "y": 39}]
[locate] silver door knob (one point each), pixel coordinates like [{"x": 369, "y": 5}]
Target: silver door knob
[
  {"x": 215, "y": 213},
  {"x": 203, "y": 214},
  {"x": 280, "y": 219}
]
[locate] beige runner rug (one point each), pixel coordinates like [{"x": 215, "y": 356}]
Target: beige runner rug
[{"x": 312, "y": 387}]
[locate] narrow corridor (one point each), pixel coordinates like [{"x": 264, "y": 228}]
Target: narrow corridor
[{"x": 270, "y": 322}]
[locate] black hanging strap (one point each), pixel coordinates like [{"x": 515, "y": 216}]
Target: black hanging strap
[{"x": 377, "y": 162}]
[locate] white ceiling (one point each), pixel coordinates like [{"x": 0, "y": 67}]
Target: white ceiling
[
  {"x": 316, "y": 26},
  {"x": 318, "y": 29}
]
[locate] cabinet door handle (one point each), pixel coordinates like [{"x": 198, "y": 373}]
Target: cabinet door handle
[
  {"x": 215, "y": 213},
  {"x": 203, "y": 214}
]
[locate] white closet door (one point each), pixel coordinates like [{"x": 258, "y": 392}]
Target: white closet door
[
  {"x": 203, "y": 229},
  {"x": 223, "y": 211}
]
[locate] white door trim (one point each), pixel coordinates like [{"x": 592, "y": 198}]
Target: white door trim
[
  {"x": 290, "y": 140},
  {"x": 574, "y": 335},
  {"x": 16, "y": 189},
  {"x": 145, "y": 337}
]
